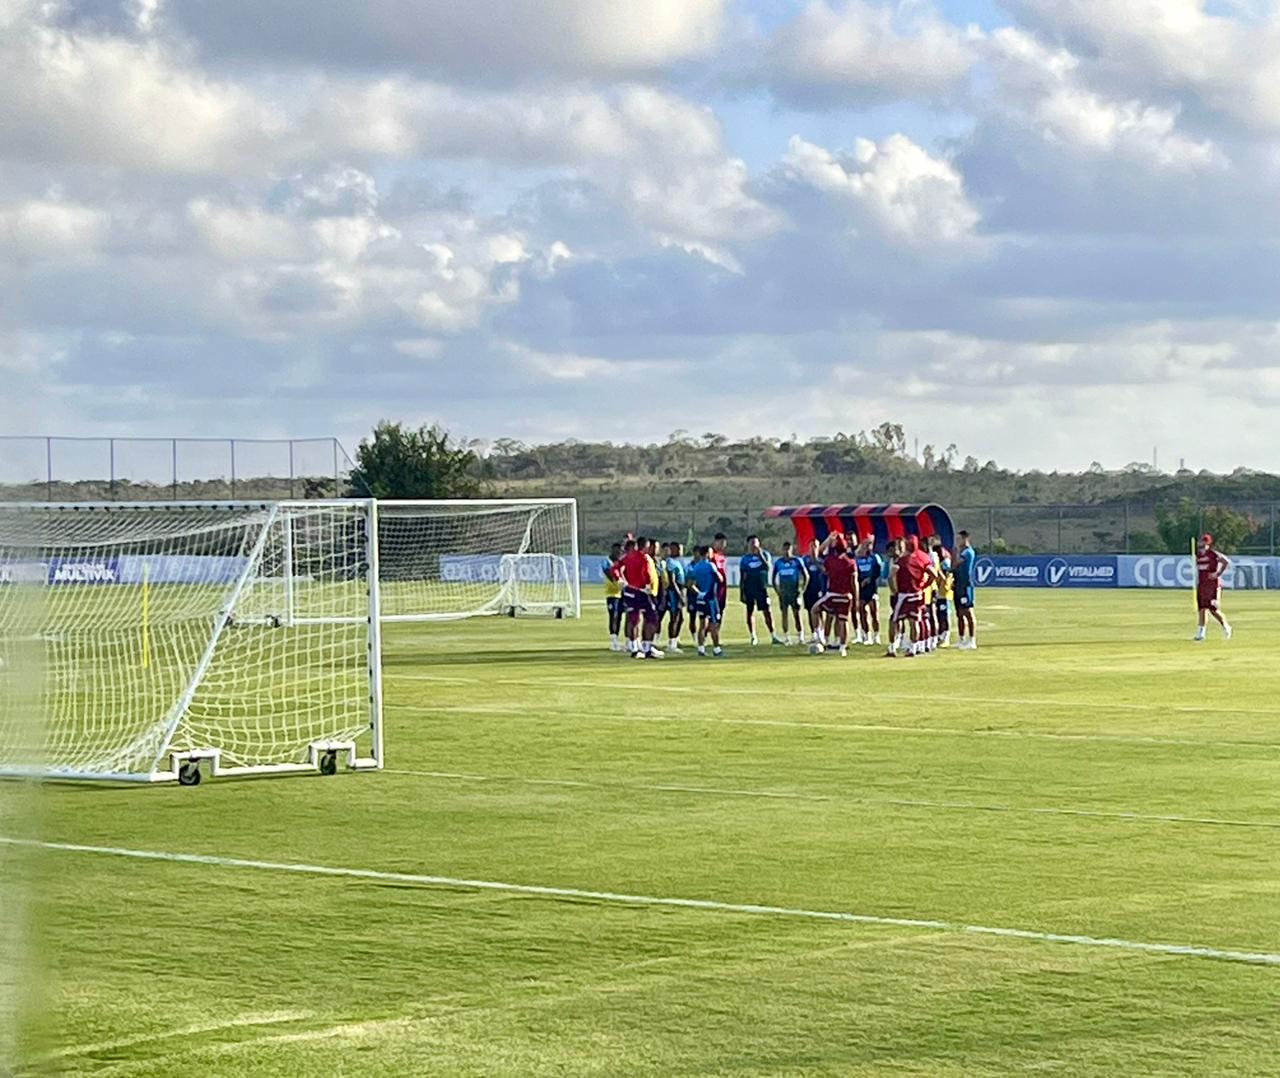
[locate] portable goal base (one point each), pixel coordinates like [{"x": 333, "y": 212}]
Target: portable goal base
[{"x": 322, "y": 757}]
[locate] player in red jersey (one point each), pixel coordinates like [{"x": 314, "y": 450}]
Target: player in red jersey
[
  {"x": 719, "y": 559},
  {"x": 1210, "y": 565},
  {"x": 639, "y": 589},
  {"x": 841, "y": 597},
  {"x": 915, "y": 575}
]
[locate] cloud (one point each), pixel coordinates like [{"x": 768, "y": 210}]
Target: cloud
[
  {"x": 894, "y": 188},
  {"x": 853, "y": 52},
  {"x": 471, "y": 43}
]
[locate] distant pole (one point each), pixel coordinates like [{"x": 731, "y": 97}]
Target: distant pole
[
  {"x": 48, "y": 469},
  {"x": 1273, "y": 529},
  {"x": 1059, "y": 529},
  {"x": 1126, "y": 527},
  {"x": 292, "y": 492},
  {"x": 111, "y": 456},
  {"x": 231, "y": 442},
  {"x": 173, "y": 448},
  {"x": 991, "y": 528}
]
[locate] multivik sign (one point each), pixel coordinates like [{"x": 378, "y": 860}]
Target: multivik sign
[{"x": 1046, "y": 571}]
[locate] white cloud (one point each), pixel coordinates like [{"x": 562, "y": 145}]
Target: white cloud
[
  {"x": 856, "y": 51},
  {"x": 49, "y": 228},
  {"x": 894, "y": 186}
]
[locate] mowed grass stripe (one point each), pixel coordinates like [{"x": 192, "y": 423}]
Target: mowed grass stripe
[
  {"x": 848, "y": 799},
  {"x": 1181, "y": 950},
  {"x": 532, "y": 710}
]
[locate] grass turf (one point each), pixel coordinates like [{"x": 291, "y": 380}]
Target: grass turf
[{"x": 944, "y": 788}]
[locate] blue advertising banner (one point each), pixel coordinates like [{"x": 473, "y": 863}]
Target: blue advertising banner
[
  {"x": 1177, "y": 571},
  {"x": 1046, "y": 571}
]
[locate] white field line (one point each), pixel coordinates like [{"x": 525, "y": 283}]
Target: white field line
[
  {"x": 886, "y": 802},
  {"x": 905, "y": 697},
  {"x": 840, "y": 727},
  {"x": 1262, "y": 958},
  {"x": 266, "y": 1019}
]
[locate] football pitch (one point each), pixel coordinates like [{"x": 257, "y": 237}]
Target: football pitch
[{"x": 1060, "y": 853}]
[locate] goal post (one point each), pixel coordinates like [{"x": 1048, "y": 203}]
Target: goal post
[
  {"x": 237, "y": 638},
  {"x": 446, "y": 560}
]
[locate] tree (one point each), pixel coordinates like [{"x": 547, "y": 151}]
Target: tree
[
  {"x": 1179, "y": 524},
  {"x": 398, "y": 462}
]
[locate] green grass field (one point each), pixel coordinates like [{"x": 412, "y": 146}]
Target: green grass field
[{"x": 1090, "y": 772}]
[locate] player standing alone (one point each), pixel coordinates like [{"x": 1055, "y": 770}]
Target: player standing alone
[
  {"x": 1210, "y": 565},
  {"x": 962, "y": 594}
]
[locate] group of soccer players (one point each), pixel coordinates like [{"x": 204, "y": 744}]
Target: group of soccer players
[{"x": 819, "y": 593}]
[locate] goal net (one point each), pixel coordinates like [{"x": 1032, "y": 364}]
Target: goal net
[
  {"x": 458, "y": 559},
  {"x": 237, "y": 637}
]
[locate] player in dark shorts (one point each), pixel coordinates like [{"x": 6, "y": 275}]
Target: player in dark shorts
[
  {"x": 962, "y": 593},
  {"x": 675, "y": 595},
  {"x": 718, "y": 558},
  {"x": 941, "y": 600},
  {"x": 789, "y": 578},
  {"x": 815, "y": 585},
  {"x": 613, "y": 596},
  {"x": 754, "y": 568},
  {"x": 706, "y": 580},
  {"x": 915, "y": 576},
  {"x": 870, "y": 571},
  {"x": 639, "y": 586}
]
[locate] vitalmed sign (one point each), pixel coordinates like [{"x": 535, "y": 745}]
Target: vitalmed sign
[{"x": 1046, "y": 571}]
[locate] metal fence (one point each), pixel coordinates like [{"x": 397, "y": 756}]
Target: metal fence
[
  {"x": 152, "y": 469},
  {"x": 1124, "y": 528}
]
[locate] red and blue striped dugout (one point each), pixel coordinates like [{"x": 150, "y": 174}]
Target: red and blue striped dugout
[{"x": 885, "y": 522}]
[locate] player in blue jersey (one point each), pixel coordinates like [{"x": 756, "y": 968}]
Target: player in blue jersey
[
  {"x": 871, "y": 570},
  {"x": 963, "y": 575},
  {"x": 754, "y": 568},
  {"x": 675, "y": 595},
  {"x": 707, "y": 581},
  {"x": 790, "y": 578},
  {"x": 815, "y": 587}
]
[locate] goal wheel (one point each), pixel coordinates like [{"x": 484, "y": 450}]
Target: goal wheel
[
  {"x": 329, "y": 763},
  {"x": 189, "y": 774},
  {"x": 559, "y": 613}
]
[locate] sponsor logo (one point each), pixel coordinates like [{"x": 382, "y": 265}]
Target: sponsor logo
[
  {"x": 84, "y": 572},
  {"x": 983, "y": 570},
  {"x": 1055, "y": 573}
]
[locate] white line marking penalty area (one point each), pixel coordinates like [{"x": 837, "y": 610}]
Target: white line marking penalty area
[{"x": 1257, "y": 958}]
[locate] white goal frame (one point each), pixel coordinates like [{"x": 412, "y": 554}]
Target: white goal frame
[
  {"x": 506, "y": 596},
  {"x": 186, "y": 764}
]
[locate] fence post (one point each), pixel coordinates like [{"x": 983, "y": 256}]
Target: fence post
[
  {"x": 991, "y": 528},
  {"x": 1273, "y": 529},
  {"x": 292, "y": 492},
  {"x": 173, "y": 449},
  {"x": 48, "y": 469},
  {"x": 111, "y": 456},
  {"x": 232, "y": 443},
  {"x": 1126, "y": 527},
  {"x": 1059, "y": 529}
]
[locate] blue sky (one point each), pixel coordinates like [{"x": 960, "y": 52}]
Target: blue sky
[{"x": 1044, "y": 230}]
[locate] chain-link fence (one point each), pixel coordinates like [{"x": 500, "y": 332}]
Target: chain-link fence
[{"x": 152, "y": 469}]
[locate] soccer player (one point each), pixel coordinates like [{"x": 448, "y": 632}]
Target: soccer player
[
  {"x": 1210, "y": 565},
  {"x": 962, "y": 593},
  {"x": 660, "y": 596},
  {"x": 613, "y": 596},
  {"x": 814, "y": 589},
  {"x": 841, "y": 597},
  {"x": 719, "y": 544},
  {"x": 790, "y": 579},
  {"x": 675, "y": 595},
  {"x": 915, "y": 575},
  {"x": 707, "y": 581},
  {"x": 691, "y": 600},
  {"x": 753, "y": 588},
  {"x": 639, "y": 587},
  {"x": 941, "y": 601},
  {"x": 870, "y": 568}
]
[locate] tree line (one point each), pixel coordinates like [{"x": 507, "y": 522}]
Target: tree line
[{"x": 398, "y": 461}]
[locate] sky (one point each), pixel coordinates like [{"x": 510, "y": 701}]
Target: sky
[{"x": 1044, "y": 230}]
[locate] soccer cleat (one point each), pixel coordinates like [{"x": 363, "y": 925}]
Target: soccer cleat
[
  {"x": 639, "y": 655},
  {"x": 754, "y": 641},
  {"x": 844, "y": 652},
  {"x": 655, "y": 653},
  {"x": 718, "y": 653},
  {"x": 702, "y": 650},
  {"x": 1226, "y": 632},
  {"x": 816, "y": 649},
  {"x": 777, "y": 640},
  {"x": 876, "y": 641}
]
